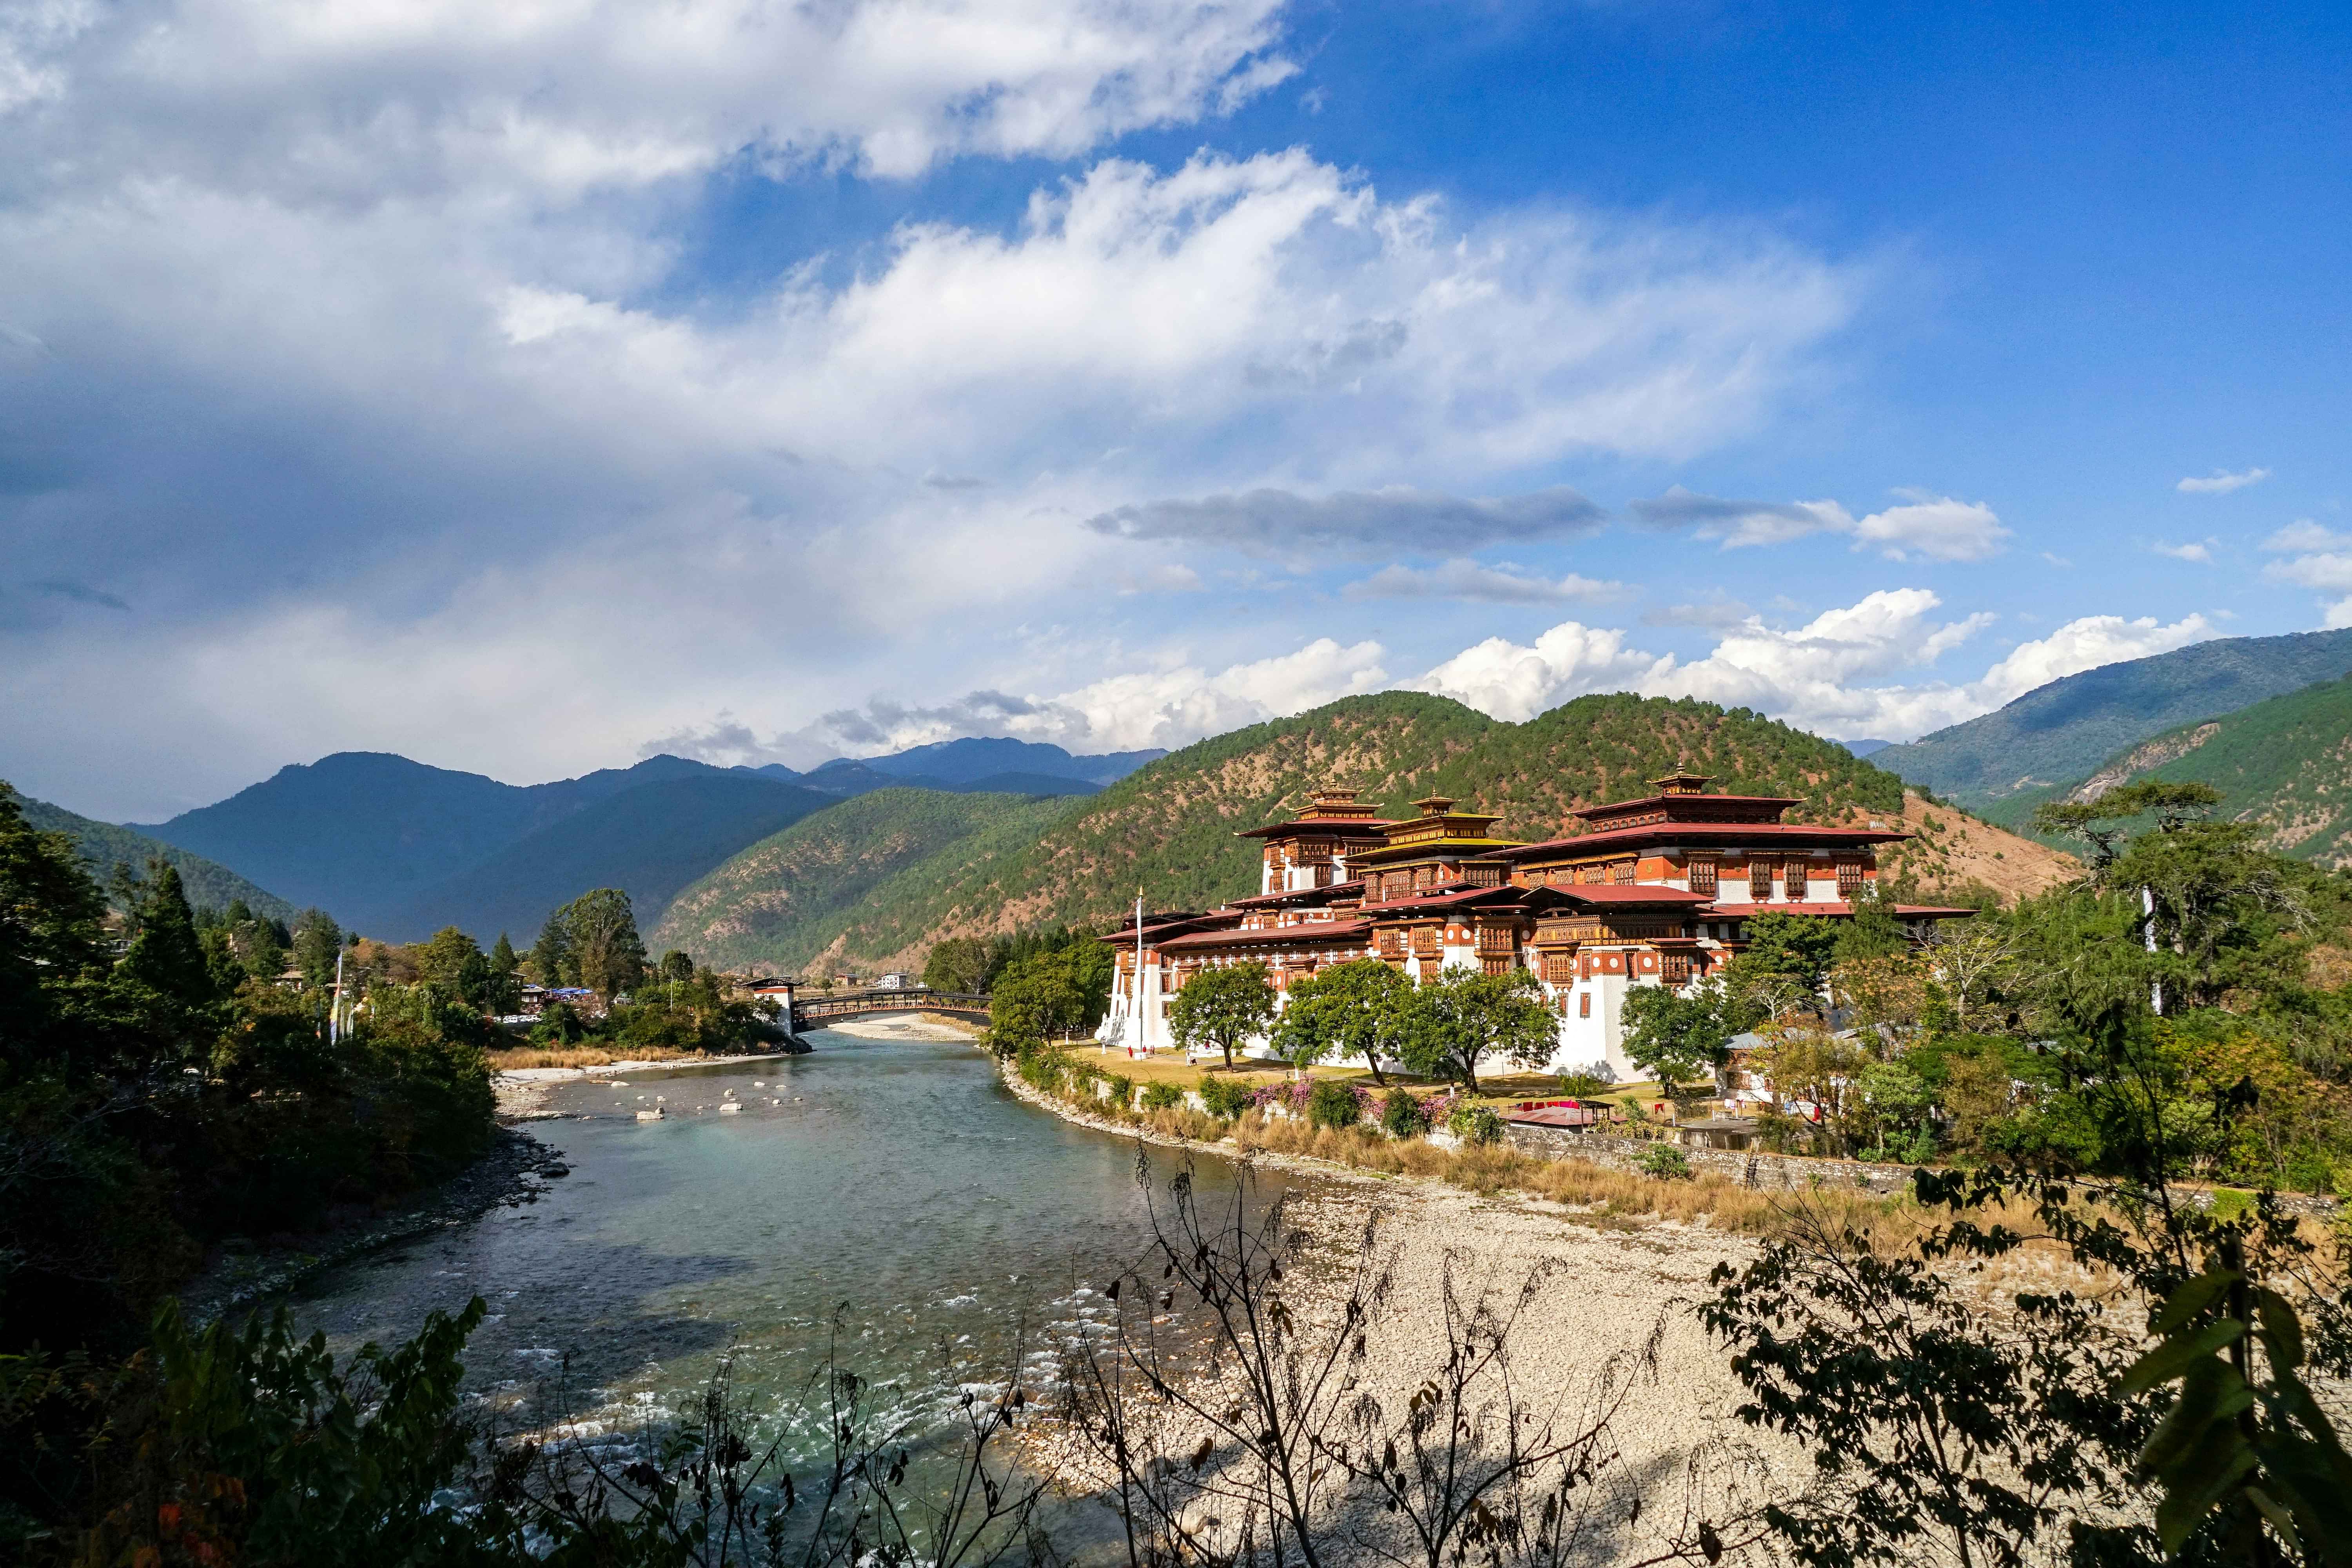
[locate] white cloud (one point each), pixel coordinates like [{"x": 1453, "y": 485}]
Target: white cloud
[
  {"x": 1807, "y": 675},
  {"x": 1459, "y": 579},
  {"x": 1930, "y": 527},
  {"x": 2200, "y": 552},
  {"x": 2220, "y": 484},
  {"x": 411, "y": 303},
  {"x": 1501, "y": 678},
  {"x": 1936, "y": 528},
  {"x": 379, "y": 103},
  {"x": 2322, "y": 559}
]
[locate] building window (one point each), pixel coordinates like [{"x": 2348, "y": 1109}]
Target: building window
[
  {"x": 1702, "y": 877},
  {"x": 1848, "y": 876},
  {"x": 1584, "y": 1004},
  {"x": 1623, "y": 871}
]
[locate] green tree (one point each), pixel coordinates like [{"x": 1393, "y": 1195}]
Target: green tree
[
  {"x": 601, "y": 930},
  {"x": 1038, "y": 996},
  {"x": 676, "y": 965},
  {"x": 1872, "y": 932},
  {"x": 1681, "y": 1038},
  {"x": 503, "y": 994},
  {"x": 957, "y": 964},
  {"x": 1464, "y": 1016},
  {"x": 316, "y": 940},
  {"x": 452, "y": 961},
  {"x": 1353, "y": 1009},
  {"x": 1786, "y": 958},
  {"x": 166, "y": 963},
  {"x": 552, "y": 960},
  {"x": 52, "y": 941},
  {"x": 1222, "y": 1006}
]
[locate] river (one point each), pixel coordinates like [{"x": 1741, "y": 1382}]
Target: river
[{"x": 892, "y": 1186}]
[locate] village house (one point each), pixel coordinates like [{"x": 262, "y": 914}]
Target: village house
[{"x": 1654, "y": 891}]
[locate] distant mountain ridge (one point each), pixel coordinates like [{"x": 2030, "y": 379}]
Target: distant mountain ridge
[
  {"x": 104, "y": 845},
  {"x": 2284, "y": 765},
  {"x": 975, "y": 765},
  {"x": 2059, "y": 733},
  {"x": 398, "y": 848}
]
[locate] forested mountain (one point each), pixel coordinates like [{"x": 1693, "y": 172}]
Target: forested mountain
[
  {"x": 786, "y": 899},
  {"x": 397, "y": 848},
  {"x": 105, "y": 845},
  {"x": 1171, "y": 826},
  {"x": 649, "y": 842},
  {"x": 2285, "y": 764},
  {"x": 2058, "y": 734}
]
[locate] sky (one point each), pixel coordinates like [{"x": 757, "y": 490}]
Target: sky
[{"x": 533, "y": 388}]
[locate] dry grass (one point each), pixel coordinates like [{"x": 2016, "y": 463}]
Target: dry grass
[{"x": 1578, "y": 1184}]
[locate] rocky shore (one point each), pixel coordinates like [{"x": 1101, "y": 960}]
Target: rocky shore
[{"x": 1610, "y": 1324}]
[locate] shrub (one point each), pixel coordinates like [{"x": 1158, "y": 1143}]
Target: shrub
[
  {"x": 1665, "y": 1160},
  {"x": 1475, "y": 1124},
  {"x": 1162, "y": 1096},
  {"x": 1225, "y": 1096},
  {"x": 1588, "y": 1082},
  {"x": 1333, "y": 1104},
  {"x": 1401, "y": 1115}
]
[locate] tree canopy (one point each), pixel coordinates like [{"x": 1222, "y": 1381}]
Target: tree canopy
[{"x": 1222, "y": 1006}]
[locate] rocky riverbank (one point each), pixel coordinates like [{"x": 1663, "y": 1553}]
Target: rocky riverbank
[{"x": 1609, "y": 1325}]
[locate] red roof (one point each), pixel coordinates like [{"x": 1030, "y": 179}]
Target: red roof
[
  {"x": 1295, "y": 895},
  {"x": 1699, "y": 832},
  {"x": 1371, "y": 826},
  {"x": 1626, "y": 893},
  {"x": 1454, "y": 899},
  {"x": 1674, "y": 802},
  {"x": 1316, "y": 931}
]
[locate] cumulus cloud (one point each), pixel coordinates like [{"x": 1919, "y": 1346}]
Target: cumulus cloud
[
  {"x": 2220, "y": 482},
  {"x": 1357, "y": 521},
  {"x": 430, "y": 381},
  {"x": 1810, "y": 675},
  {"x": 1461, "y": 579},
  {"x": 2199, "y": 550},
  {"x": 1928, "y": 527},
  {"x": 2319, "y": 558}
]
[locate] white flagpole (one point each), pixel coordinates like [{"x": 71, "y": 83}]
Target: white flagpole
[{"x": 1141, "y": 1039}]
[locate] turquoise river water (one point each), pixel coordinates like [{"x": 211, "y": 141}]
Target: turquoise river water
[{"x": 891, "y": 1187}]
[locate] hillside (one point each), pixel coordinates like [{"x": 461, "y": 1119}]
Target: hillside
[
  {"x": 398, "y": 848},
  {"x": 973, "y": 762},
  {"x": 649, "y": 841},
  {"x": 2285, "y": 764},
  {"x": 105, "y": 845},
  {"x": 1170, "y": 825},
  {"x": 1954, "y": 849},
  {"x": 2058, "y": 734},
  {"x": 785, "y": 900}
]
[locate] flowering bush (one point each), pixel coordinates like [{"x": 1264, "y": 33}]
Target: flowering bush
[{"x": 1333, "y": 1104}]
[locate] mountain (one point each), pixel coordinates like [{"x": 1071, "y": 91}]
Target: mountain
[
  {"x": 1029, "y": 784},
  {"x": 649, "y": 841},
  {"x": 2059, "y": 733},
  {"x": 971, "y": 763},
  {"x": 1170, "y": 825},
  {"x": 2285, "y": 764},
  {"x": 785, "y": 899},
  {"x": 105, "y": 845},
  {"x": 847, "y": 776},
  {"x": 1866, "y": 747},
  {"x": 397, "y": 848}
]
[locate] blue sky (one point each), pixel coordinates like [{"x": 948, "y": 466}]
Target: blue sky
[{"x": 767, "y": 384}]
